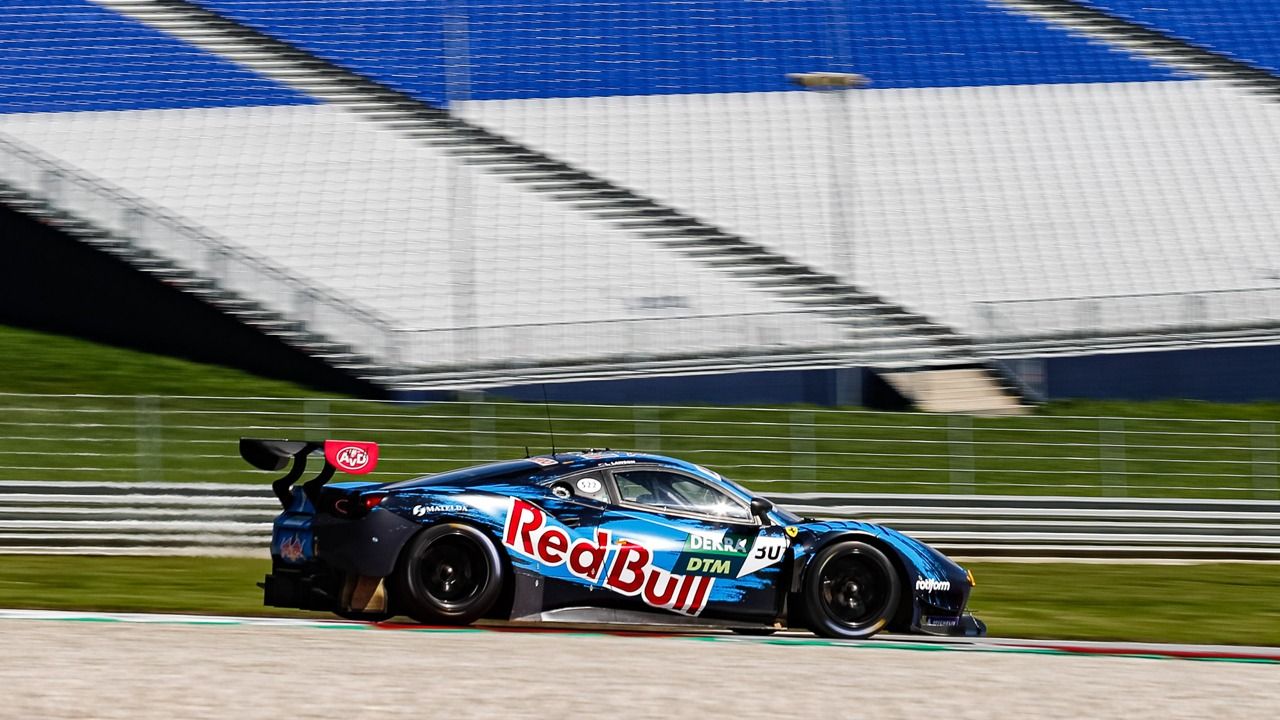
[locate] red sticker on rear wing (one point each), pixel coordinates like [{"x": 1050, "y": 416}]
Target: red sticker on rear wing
[{"x": 351, "y": 457}]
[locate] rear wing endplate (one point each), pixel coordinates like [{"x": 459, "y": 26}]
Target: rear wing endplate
[{"x": 349, "y": 456}]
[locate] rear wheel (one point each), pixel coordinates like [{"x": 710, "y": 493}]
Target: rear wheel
[
  {"x": 448, "y": 575},
  {"x": 850, "y": 591}
]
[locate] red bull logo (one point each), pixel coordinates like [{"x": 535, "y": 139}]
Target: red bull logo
[{"x": 625, "y": 568}]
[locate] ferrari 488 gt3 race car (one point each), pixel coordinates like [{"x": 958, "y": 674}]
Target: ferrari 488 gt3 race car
[{"x": 596, "y": 537}]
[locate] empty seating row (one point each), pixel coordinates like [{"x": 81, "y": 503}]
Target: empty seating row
[
  {"x": 432, "y": 247},
  {"x": 521, "y": 49},
  {"x": 951, "y": 197},
  {"x": 72, "y": 55},
  {"x": 1247, "y": 30}
]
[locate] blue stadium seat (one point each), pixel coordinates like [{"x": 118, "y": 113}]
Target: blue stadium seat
[
  {"x": 522, "y": 49},
  {"x": 66, "y": 55},
  {"x": 1246, "y": 30}
]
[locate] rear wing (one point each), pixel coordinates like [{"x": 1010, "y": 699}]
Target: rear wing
[{"x": 349, "y": 456}]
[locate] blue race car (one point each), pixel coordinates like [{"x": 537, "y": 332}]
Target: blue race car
[{"x": 596, "y": 537}]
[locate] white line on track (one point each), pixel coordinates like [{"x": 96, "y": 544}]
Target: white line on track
[{"x": 887, "y": 641}]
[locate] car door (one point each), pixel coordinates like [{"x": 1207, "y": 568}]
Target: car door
[
  {"x": 688, "y": 546},
  {"x": 552, "y": 537}
]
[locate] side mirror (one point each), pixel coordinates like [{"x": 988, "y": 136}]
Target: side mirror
[{"x": 760, "y": 507}]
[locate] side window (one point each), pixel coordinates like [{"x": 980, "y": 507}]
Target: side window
[
  {"x": 672, "y": 491},
  {"x": 589, "y": 486}
]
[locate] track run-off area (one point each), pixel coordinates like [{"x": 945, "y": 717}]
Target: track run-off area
[{"x": 106, "y": 665}]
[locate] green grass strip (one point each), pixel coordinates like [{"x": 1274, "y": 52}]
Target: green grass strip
[{"x": 1206, "y": 604}]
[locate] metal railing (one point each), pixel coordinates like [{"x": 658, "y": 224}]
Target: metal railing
[
  {"x": 235, "y": 520},
  {"x": 774, "y": 450},
  {"x": 157, "y": 232},
  {"x": 1097, "y": 316},
  {"x": 745, "y": 334}
]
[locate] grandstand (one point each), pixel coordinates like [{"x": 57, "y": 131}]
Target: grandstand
[
  {"x": 452, "y": 195},
  {"x": 1247, "y": 32}
]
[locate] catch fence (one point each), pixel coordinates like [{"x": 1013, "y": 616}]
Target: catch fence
[{"x": 52, "y": 438}]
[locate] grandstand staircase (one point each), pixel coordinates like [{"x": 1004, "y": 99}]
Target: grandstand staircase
[
  {"x": 878, "y": 333},
  {"x": 974, "y": 390},
  {"x": 1148, "y": 42},
  {"x": 229, "y": 302}
]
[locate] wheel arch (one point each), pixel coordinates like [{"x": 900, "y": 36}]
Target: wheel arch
[
  {"x": 905, "y": 612},
  {"x": 506, "y": 594}
]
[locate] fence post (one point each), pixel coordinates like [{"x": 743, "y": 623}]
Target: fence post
[
  {"x": 304, "y": 307},
  {"x": 803, "y": 447},
  {"x": 132, "y": 225},
  {"x": 1111, "y": 457},
  {"x": 648, "y": 429},
  {"x": 316, "y": 419},
  {"x": 216, "y": 260},
  {"x": 483, "y": 427},
  {"x": 960, "y": 454},
  {"x": 150, "y": 463},
  {"x": 1264, "y": 459},
  {"x": 51, "y": 187}
]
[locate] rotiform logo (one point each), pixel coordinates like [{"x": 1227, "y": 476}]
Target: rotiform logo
[{"x": 929, "y": 584}]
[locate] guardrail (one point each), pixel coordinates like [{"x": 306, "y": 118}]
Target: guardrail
[
  {"x": 1065, "y": 527},
  {"x": 235, "y": 520},
  {"x": 135, "y": 518}
]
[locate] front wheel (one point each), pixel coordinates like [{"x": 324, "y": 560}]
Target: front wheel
[
  {"x": 850, "y": 591},
  {"x": 449, "y": 574}
]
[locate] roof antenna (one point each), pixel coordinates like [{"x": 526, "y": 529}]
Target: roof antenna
[{"x": 546, "y": 404}]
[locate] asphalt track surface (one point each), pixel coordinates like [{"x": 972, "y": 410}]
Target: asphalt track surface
[{"x": 90, "y": 665}]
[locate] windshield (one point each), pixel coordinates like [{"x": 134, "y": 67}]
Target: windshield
[{"x": 786, "y": 516}]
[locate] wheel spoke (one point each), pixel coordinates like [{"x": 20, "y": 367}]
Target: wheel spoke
[
  {"x": 453, "y": 571},
  {"x": 854, "y": 590}
]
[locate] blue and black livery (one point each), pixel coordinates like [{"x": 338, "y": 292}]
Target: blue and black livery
[{"x": 592, "y": 537}]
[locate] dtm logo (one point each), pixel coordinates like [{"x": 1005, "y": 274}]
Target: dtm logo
[
  {"x": 930, "y": 585},
  {"x": 625, "y": 569},
  {"x": 352, "y": 458},
  {"x": 729, "y": 554}
]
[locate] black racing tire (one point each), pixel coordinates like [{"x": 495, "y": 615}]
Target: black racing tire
[
  {"x": 851, "y": 591},
  {"x": 754, "y": 631},
  {"x": 449, "y": 574}
]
